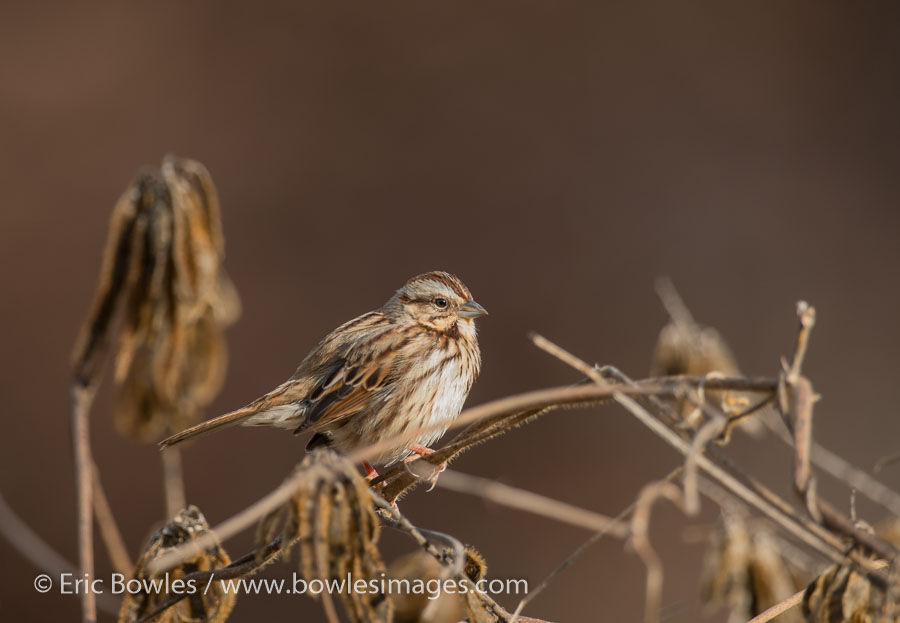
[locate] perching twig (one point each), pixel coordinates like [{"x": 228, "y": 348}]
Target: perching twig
[{"x": 517, "y": 404}]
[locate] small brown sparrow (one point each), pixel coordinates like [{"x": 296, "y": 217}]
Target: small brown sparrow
[{"x": 386, "y": 374}]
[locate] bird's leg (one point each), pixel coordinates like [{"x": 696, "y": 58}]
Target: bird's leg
[
  {"x": 420, "y": 451},
  {"x": 371, "y": 474}
]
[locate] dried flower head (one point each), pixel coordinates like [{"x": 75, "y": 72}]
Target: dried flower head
[
  {"x": 162, "y": 268},
  {"x": 842, "y": 594},
  {"x": 686, "y": 347},
  {"x": 333, "y": 523},
  {"x": 212, "y": 606}
]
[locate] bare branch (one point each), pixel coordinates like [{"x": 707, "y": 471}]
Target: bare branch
[
  {"x": 173, "y": 481},
  {"x": 531, "y": 502},
  {"x": 109, "y": 529},
  {"x": 672, "y": 301},
  {"x": 640, "y": 524},
  {"x": 571, "y": 558}
]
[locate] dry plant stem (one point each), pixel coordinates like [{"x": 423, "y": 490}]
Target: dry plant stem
[
  {"x": 525, "y": 405},
  {"x": 640, "y": 525},
  {"x": 821, "y": 539},
  {"x": 400, "y": 522},
  {"x": 807, "y": 316},
  {"x": 772, "y": 506},
  {"x": 32, "y": 547},
  {"x": 82, "y": 397},
  {"x": 811, "y": 533},
  {"x": 571, "y": 558},
  {"x": 800, "y": 403},
  {"x": 672, "y": 301},
  {"x": 173, "y": 481},
  {"x": 26, "y": 541},
  {"x": 512, "y": 405},
  {"x": 395, "y": 519},
  {"x": 568, "y": 562},
  {"x": 780, "y": 608},
  {"x": 852, "y": 476},
  {"x": 109, "y": 530},
  {"x": 707, "y": 433},
  {"x": 531, "y": 502},
  {"x": 885, "y": 461}
]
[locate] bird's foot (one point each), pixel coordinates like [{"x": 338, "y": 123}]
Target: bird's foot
[
  {"x": 371, "y": 474},
  {"x": 419, "y": 451}
]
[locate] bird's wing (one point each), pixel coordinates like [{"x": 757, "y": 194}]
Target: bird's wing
[{"x": 359, "y": 380}]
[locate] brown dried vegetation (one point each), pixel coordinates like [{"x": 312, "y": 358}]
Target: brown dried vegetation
[{"x": 162, "y": 266}]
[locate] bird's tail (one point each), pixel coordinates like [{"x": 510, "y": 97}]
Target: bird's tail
[{"x": 203, "y": 428}]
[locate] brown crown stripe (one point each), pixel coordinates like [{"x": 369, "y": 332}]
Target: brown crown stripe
[{"x": 451, "y": 281}]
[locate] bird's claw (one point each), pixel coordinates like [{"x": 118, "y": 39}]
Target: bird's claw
[{"x": 419, "y": 451}]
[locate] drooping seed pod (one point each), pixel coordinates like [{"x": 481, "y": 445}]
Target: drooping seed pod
[
  {"x": 162, "y": 273},
  {"x": 332, "y": 523},
  {"x": 745, "y": 570},
  {"x": 687, "y": 347}
]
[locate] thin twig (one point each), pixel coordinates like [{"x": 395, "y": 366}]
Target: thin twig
[
  {"x": 780, "y": 608},
  {"x": 769, "y": 504},
  {"x": 807, "y": 316},
  {"x": 672, "y": 301},
  {"x": 27, "y": 542},
  {"x": 575, "y": 555},
  {"x": 82, "y": 397},
  {"x": 884, "y": 461},
  {"x": 173, "y": 481},
  {"x": 640, "y": 525},
  {"x": 109, "y": 529},
  {"x": 539, "y": 399},
  {"x": 531, "y": 502}
]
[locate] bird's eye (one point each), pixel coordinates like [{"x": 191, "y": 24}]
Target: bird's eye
[{"x": 440, "y": 303}]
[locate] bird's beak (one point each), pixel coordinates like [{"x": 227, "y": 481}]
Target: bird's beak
[{"x": 471, "y": 309}]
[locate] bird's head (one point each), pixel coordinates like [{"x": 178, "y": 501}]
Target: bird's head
[{"x": 438, "y": 301}]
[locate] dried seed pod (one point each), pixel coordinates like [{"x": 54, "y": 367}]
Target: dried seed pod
[
  {"x": 332, "y": 522},
  {"x": 685, "y": 347},
  {"x": 745, "y": 571},
  {"x": 163, "y": 269},
  {"x": 212, "y": 606},
  {"x": 841, "y": 594}
]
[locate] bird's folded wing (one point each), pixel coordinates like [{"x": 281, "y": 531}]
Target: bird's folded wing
[{"x": 359, "y": 382}]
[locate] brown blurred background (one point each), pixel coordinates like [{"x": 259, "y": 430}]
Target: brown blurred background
[{"x": 558, "y": 156}]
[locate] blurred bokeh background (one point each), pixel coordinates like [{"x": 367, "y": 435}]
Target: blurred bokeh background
[{"x": 558, "y": 156}]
